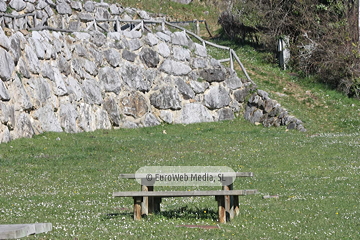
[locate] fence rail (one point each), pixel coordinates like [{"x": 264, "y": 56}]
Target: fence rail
[{"x": 141, "y": 24}]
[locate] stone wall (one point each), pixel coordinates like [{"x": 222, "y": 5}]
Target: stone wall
[{"x": 83, "y": 81}]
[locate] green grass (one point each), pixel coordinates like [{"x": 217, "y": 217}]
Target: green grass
[{"x": 69, "y": 181}]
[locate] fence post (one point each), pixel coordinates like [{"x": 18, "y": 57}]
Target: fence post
[
  {"x": 95, "y": 25},
  {"x": 118, "y": 27},
  {"x": 231, "y": 61}
]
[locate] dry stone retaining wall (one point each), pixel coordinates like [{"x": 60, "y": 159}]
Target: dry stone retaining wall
[{"x": 83, "y": 81}]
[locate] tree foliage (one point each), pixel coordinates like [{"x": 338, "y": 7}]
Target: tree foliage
[{"x": 324, "y": 37}]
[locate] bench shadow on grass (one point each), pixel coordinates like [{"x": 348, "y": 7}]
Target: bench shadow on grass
[
  {"x": 181, "y": 213},
  {"x": 189, "y": 213},
  {"x": 122, "y": 215}
]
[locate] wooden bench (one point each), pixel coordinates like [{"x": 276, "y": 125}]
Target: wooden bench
[
  {"x": 221, "y": 197},
  {"x": 148, "y": 201}
]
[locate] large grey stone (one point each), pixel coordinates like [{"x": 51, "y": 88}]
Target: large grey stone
[
  {"x": 29, "y": 8},
  {"x": 92, "y": 92},
  {"x": 60, "y": 87},
  {"x": 127, "y": 55},
  {"x": 163, "y": 36},
  {"x": 151, "y": 39},
  {"x": 263, "y": 94},
  {"x": 166, "y": 98},
  {"x": 233, "y": 82},
  {"x": 217, "y": 97},
  {"x": 47, "y": 70},
  {"x": 74, "y": 88},
  {"x": 4, "y": 40},
  {"x": 19, "y": 95},
  {"x": 114, "y": 9},
  {"x": 200, "y": 50},
  {"x": 85, "y": 17},
  {"x": 198, "y": 63},
  {"x": 90, "y": 67},
  {"x": 63, "y": 65},
  {"x": 63, "y": 8},
  {"x": 184, "y": 89},
  {"x": 32, "y": 60},
  {"x": 23, "y": 127},
  {"x": 77, "y": 66},
  {"x": 134, "y": 104},
  {"x": 199, "y": 86},
  {"x": 241, "y": 94},
  {"x": 18, "y": 5},
  {"x": 12, "y": 231},
  {"x": 48, "y": 119},
  {"x": 213, "y": 74},
  {"x": 111, "y": 106},
  {"x": 183, "y": 1},
  {"x": 149, "y": 57},
  {"x": 41, "y": 4},
  {"x": 98, "y": 56},
  {"x": 164, "y": 49},
  {"x": 253, "y": 114},
  {"x": 76, "y": 5},
  {"x": 38, "y": 47},
  {"x": 132, "y": 44},
  {"x": 86, "y": 118},
  {"x": 194, "y": 113},
  {"x": 39, "y": 90},
  {"x": 3, "y": 6},
  {"x": 226, "y": 114},
  {"x": 23, "y": 68},
  {"x": 7, "y": 65},
  {"x": 179, "y": 38},
  {"x": 110, "y": 79},
  {"x": 4, "y": 94},
  {"x": 102, "y": 119},
  {"x": 112, "y": 56},
  {"x": 98, "y": 38},
  {"x": 4, "y": 138},
  {"x": 150, "y": 120},
  {"x": 181, "y": 53},
  {"x": 80, "y": 50},
  {"x": 89, "y": 6},
  {"x": 175, "y": 68},
  {"x": 15, "y": 47},
  {"x": 166, "y": 116},
  {"x": 134, "y": 77},
  {"x": 132, "y": 34},
  {"x": 7, "y": 115}
]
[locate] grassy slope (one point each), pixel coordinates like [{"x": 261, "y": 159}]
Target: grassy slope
[{"x": 67, "y": 179}]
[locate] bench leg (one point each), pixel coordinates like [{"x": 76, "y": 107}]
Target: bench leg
[
  {"x": 147, "y": 205},
  {"x": 229, "y": 202},
  {"x": 221, "y": 206},
  {"x": 137, "y": 208},
  {"x": 236, "y": 205},
  {"x": 156, "y": 204}
]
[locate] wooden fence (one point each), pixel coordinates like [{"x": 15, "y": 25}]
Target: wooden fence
[{"x": 32, "y": 24}]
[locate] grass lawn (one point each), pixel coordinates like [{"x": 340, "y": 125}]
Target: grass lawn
[{"x": 68, "y": 179}]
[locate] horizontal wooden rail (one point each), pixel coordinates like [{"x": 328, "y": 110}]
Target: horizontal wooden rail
[
  {"x": 142, "y": 27},
  {"x": 185, "y": 193},
  {"x": 143, "y": 175}
]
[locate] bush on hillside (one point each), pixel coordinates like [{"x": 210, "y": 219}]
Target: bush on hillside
[{"x": 324, "y": 36}]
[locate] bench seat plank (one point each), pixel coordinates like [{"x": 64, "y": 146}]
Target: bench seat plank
[
  {"x": 133, "y": 175},
  {"x": 185, "y": 193}
]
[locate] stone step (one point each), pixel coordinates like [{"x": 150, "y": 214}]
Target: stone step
[{"x": 13, "y": 231}]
